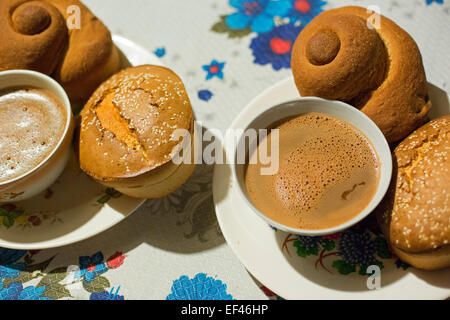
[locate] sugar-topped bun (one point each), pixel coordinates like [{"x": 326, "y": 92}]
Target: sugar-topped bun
[
  {"x": 126, "y": 129},
  {"x": 415, "y": 216}
]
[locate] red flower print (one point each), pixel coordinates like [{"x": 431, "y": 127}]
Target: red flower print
[
  {"x": 280, "y": 46},
  {"x": 9, "y": 207},
  {"x": 302, "y": 6},
  {"x": 116, "y": 260},
  {"x": 267, "y": 291},
  {"x": 34, "y": 220},
  {"x": 214, "y": 69},
  {"x": 332, "y": 237}
]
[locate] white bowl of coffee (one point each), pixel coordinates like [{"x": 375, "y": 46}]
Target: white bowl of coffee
[
  {"x": 36, "y": 129},
  {"x": 333, "y": 166}
]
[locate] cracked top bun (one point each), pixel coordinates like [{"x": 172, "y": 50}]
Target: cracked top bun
[
  {"x": 416, "y": 212},
  {"x": 127, "y": 124}
]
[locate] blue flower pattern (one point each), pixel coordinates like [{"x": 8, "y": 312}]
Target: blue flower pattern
[
  {"x": 276, "y": 23},
  {"x": 256, "y": 14},
  {"x": 275, "y": 47},
  {"x": 437, "y": 1},
  {"x": 305, "y": 10},
  {"x": 201, "y": 287},
  {"x": 214, "y": 69},
  {"x": 15, "y": 291},
  {"x": 9, "y": 267},
  {"x": 160, "y": 52},
  {"x": 205, "y": 95},
  {"x": 105, "y": 295},
  {"x": 90, "y": 267}
]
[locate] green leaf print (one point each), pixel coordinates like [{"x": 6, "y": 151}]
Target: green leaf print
[
  {"x": 8, "y": 222},
  {"x": 343, "y": 267},
  {"x": 113, "y": 193},
  {"x": 22, "y": 278},
  {"x": 56, "y": 291},
  {"x": 328, "y": 244},
  {"x": 16, "y": 213},
  {"x": 109, "y": 193},
  {"x": 9, "y": 217},
  {"x": 99, "y": 284},
  {"x": 302, "y": 251},
  {"x": 222, "y": 27},
  {"x": 382, "y": 248},
  {"x": 53, "y": 277},
  {"x": 104, "y": 199}
]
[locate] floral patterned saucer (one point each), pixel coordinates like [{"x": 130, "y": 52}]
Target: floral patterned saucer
[
  {"x": 75, "y": 207},
  {"x": 328, "y": 267}
]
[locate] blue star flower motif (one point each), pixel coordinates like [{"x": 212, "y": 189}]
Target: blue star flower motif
[
  {"x": 160, "y": 52},
  {"x": 205, "y": 95},
  {"x": 215, "y": 69},
  {"x": 92, "y": 266},
  {"x": 275, "y": 47},
  {"x": 15, "y": 291},
  {"x": 257, "y": 14},
  {"x": 105, "y": 295},
  {"x": 305, "y": 10},
  {"x": 437, "y": 1},
  {"x": 200, "y": 287}
]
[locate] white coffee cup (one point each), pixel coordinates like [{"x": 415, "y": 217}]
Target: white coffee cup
[
  {"x": 45, "y": 173},
  {"x": 338, "y": 110}
]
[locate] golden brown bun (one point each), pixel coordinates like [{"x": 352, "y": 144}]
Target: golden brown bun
[
  {"x": 431, "y": 260},
  {"x": 415, "y": 215},
  {"x": 379, "y": 71},
  {"x": 126, "y": 129},
  {"x": 35, "y": 36}
]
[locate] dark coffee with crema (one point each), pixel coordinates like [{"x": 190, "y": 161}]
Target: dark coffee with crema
[
  {"x": 328, "y": 173},
  {"x": 32, "y": 122}
]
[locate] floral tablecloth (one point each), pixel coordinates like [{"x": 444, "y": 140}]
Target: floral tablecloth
[{"x": 226, "y": 51}]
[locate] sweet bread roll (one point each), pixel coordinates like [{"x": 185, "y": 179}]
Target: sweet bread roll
[
  {"x": 337, "y": 56},
  {"x": 126, "y": 130},
  {"x": 35, "y": 36},
  {"x": 415, "y": 215}
]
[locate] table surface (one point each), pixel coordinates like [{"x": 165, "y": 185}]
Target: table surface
[{"x": 171, "y": 244}]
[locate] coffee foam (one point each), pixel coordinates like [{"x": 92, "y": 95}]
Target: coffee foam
[
  {"x": 319, "y": 154},
  {"x": 32, "y": 122}
]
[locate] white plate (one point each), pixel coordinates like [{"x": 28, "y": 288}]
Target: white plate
[
  {"x": 75, "y": 207},
  {"x": 282, "y": 269}
]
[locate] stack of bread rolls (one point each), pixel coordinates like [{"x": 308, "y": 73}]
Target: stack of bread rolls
[{"x": 125, "y": 138}]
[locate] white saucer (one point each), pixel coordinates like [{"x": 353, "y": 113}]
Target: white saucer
[
  {"x": 283, "y": 269},
  {"x": 75, "y": 207}
]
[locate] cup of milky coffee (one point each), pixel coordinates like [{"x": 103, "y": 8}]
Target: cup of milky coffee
[
  {"x": 36, "y": 129},
  {"x": 315, "y": 166}
]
